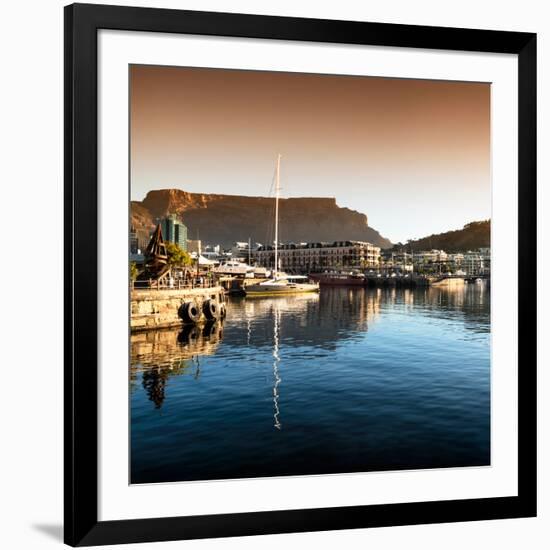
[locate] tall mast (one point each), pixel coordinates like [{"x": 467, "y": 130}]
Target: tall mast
[{"x": 277, "y": 188}]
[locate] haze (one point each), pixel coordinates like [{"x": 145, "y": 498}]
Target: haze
[{"x": 414, "y": 155}]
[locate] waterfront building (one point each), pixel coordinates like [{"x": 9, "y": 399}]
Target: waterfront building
[
  {"x": 477, "y": 263},
  {"x": 138, "y": 259},
  {"x": 240, "y": 249},
  {"x": 311, "y": 257},
  {"x": 486, "y": 255},
  {"x": 401, "y": 262},
  {"x": 430, "y": 261},
  {"x": 139, "y": 239},
  {"x": 194, "y": 246},
  {"x": 217, "y": 248},
  {"x": 174, "y": 231},
  {"x": 133, "y": 241},
  {"x": 456, "y": 260},
  {"x": 430, "y": 257},
  {"x": 136, "y": 251},
  {"x": 438, "y": 261},
  {"x": 243, "y": 250}
]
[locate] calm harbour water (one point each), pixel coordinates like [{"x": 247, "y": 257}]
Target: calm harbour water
[{"x": 350, "y": 380}]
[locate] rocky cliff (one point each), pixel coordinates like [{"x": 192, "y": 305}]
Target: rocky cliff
[{"x": 224, "y": 219}]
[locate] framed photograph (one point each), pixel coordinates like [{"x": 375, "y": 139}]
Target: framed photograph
[{"x": 300, "y": 262}]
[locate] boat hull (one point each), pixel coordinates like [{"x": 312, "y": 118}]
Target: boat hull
[
  {"x": 339, "y": 281},
  {"x": 279, "y": 290},
  {"x": 448, "y": 282}
]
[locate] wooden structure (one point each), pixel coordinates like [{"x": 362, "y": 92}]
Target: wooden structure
[
  {"x": 157, "y": 270},
  {"x": 156, "y": 256}
]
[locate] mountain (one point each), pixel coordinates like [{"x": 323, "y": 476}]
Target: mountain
[
  {"x": 472, "y": 236},
  {"x": 224, "y": 219}
]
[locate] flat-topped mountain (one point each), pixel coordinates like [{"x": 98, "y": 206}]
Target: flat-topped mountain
[{"x": 224, "y": 219}]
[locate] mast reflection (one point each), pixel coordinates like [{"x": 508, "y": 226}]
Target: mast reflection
[
  {"x": 324, "y": 321},
  {"x": 276, "y": 361}
]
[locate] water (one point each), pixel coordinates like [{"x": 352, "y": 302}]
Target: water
[{"x": 351, "y": 380}]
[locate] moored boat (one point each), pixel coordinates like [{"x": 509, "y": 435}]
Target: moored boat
[
  {"x": 340, "y": 279},
  {"x": 448, "y": 281},
  {"x": 234, "y": 267},
  {"x": 280, "y": 283}
]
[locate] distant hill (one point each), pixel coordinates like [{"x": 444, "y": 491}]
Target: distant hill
[
  {"x": 472, "y": 236},
  {"x": 224, "y": 219}
]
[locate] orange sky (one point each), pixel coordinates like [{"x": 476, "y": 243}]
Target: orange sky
[{"x": 411, "y": 154}]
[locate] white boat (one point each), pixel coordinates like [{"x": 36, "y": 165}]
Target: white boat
[
  {"x": 234, "y": 267},
  {"x": 261, "y": 272},
  {"x": 280, "y": 283}
]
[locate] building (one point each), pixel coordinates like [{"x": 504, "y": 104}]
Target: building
[
  {"x": 456, "y": 259},
  {"x": 174, "y": 231},
  {"x": 139, "y": 239},
  {"x": 243, "y": 250},
  {"x": 430, "y": 257},
  {"x": 431, "y": 261},
  {"x": 194, "y": 246},
  {"x": 477, "y": 262},
  {"x": 240, "y": 249},
  {"x": 486, "y": 255},
  {"x": 217, "y": 249},
  {"x": 134, "y": 246},
  {"x": 401, "y": 262},
  {"x": 311, "y": 257}
]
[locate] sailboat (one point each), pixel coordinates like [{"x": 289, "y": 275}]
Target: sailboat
[{"x": 280, "y": 283}]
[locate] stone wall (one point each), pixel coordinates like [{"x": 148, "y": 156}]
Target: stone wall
[{"x": 152, "y": 309}]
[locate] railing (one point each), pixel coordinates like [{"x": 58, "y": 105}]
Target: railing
[{"x": 174, "y": 284}]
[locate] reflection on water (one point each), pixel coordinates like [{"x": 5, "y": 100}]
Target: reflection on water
[
  {"x": 160, "y": 354},
  {"x": 347, "y": 380},
  {"x": 276, "y": 361}
]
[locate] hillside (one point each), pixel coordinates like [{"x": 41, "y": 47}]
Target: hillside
[
  {"x": 223, "y": 219},
  {"x": 472, "y": 236}
]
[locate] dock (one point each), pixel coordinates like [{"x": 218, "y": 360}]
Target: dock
[
  {"x": 163, "y": 308},
  {"x": 377, "y": 280}
]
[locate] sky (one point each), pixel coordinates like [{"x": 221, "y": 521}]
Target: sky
[{"x": 413, "y": 155}]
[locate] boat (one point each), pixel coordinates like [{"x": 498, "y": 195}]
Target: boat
[
  {"x": 280, "y": 283},
  {"x": 234, "y": 267},
  {"x": 340, "y": 278},
  {"x": 449, "y": 281}
]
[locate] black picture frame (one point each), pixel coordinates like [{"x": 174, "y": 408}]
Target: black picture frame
[{"x": 82, "y": 22}]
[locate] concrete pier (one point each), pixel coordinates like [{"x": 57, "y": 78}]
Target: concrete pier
[
  {"x": 411, "y": 281},
  {"x": 152, "y": 309}
]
